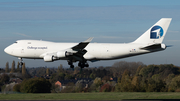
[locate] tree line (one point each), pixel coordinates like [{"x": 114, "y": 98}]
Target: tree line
[
  {"x": 120, "y": 77},
  {"x": 15, "y": 70}
]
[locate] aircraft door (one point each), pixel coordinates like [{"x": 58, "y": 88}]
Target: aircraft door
[{"x": 22, "y": 50}]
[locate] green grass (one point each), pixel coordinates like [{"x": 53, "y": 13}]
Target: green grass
[{"x": 92, "y": 96}]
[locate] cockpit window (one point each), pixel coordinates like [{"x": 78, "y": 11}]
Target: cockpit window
[{"x": 15, "y": 42}]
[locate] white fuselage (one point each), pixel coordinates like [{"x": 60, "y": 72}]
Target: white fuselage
[
  {"x": 149, "y": 41},
  {"x": 34, "y": 49}
]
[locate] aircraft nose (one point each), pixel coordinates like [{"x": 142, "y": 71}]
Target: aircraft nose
[{"x": 7, "y": 50}]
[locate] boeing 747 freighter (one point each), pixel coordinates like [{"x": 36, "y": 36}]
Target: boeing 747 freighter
[{"x": 148, "y": 42}]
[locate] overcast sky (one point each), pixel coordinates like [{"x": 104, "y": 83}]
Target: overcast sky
[{"x": 108, "y": 21}]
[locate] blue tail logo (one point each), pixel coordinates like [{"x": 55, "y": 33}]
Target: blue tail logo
[{"x": 156, "y": 32}]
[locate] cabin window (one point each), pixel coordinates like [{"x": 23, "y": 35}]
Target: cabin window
[{"x": 29, "y": 42}]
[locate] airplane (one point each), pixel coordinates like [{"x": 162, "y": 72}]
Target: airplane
[{"x": 148, "y": 42}]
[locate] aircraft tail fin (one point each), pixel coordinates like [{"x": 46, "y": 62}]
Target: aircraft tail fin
[{"x": 156, "y": 33}]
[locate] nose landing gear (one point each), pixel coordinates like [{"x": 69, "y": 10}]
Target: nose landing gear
[{"x": 21, "y": 62}]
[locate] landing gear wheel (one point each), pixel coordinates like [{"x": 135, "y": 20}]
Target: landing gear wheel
[
  {"x": 86, "y": 65},
  {"x": 72, "y": 67},
  {"x": 82, "y": 65},
  {"x": 21, "y": 63},
  {"x": 71, "y": 64}
]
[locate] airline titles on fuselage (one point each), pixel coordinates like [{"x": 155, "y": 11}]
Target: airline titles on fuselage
[{"x": 32, "y": 47}]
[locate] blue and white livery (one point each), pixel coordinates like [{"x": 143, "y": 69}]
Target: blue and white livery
[{"x": 150, "y": 41}]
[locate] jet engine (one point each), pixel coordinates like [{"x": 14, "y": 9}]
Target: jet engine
[
  {"x": 62, "y": 54},
  {"x": 48, "y": 58}
]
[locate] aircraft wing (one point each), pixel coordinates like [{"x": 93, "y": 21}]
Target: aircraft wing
[{"x": 74, "y": 53}]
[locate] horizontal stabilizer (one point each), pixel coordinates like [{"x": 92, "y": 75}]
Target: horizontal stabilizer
[
  {"x": 155, "y": 46},
  {"x": 150, "y": 47}
]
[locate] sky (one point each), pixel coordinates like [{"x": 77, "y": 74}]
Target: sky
[{"x": 108, "y": 21}]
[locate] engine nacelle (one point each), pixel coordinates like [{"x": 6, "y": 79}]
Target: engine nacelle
[
  {"x": 61, "y": 54},
  {"x": 48, "y": 58},
  {"x": 163, "y": 46}
]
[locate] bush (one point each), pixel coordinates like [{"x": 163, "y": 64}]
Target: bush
[
  {"x": 17, "y": 87},
  {"x": 175, "y": 84},
  {"x": 35, "y": 85}
]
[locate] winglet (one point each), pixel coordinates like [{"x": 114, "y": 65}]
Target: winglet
[{"x": 88, "y": 40}]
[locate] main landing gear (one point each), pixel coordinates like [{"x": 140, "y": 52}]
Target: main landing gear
[
  {"x": 81, "y": 64},
  {"x": 71, "y": 64}
]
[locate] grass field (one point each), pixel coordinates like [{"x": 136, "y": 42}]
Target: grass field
[{"x": 92, "y": 96}]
